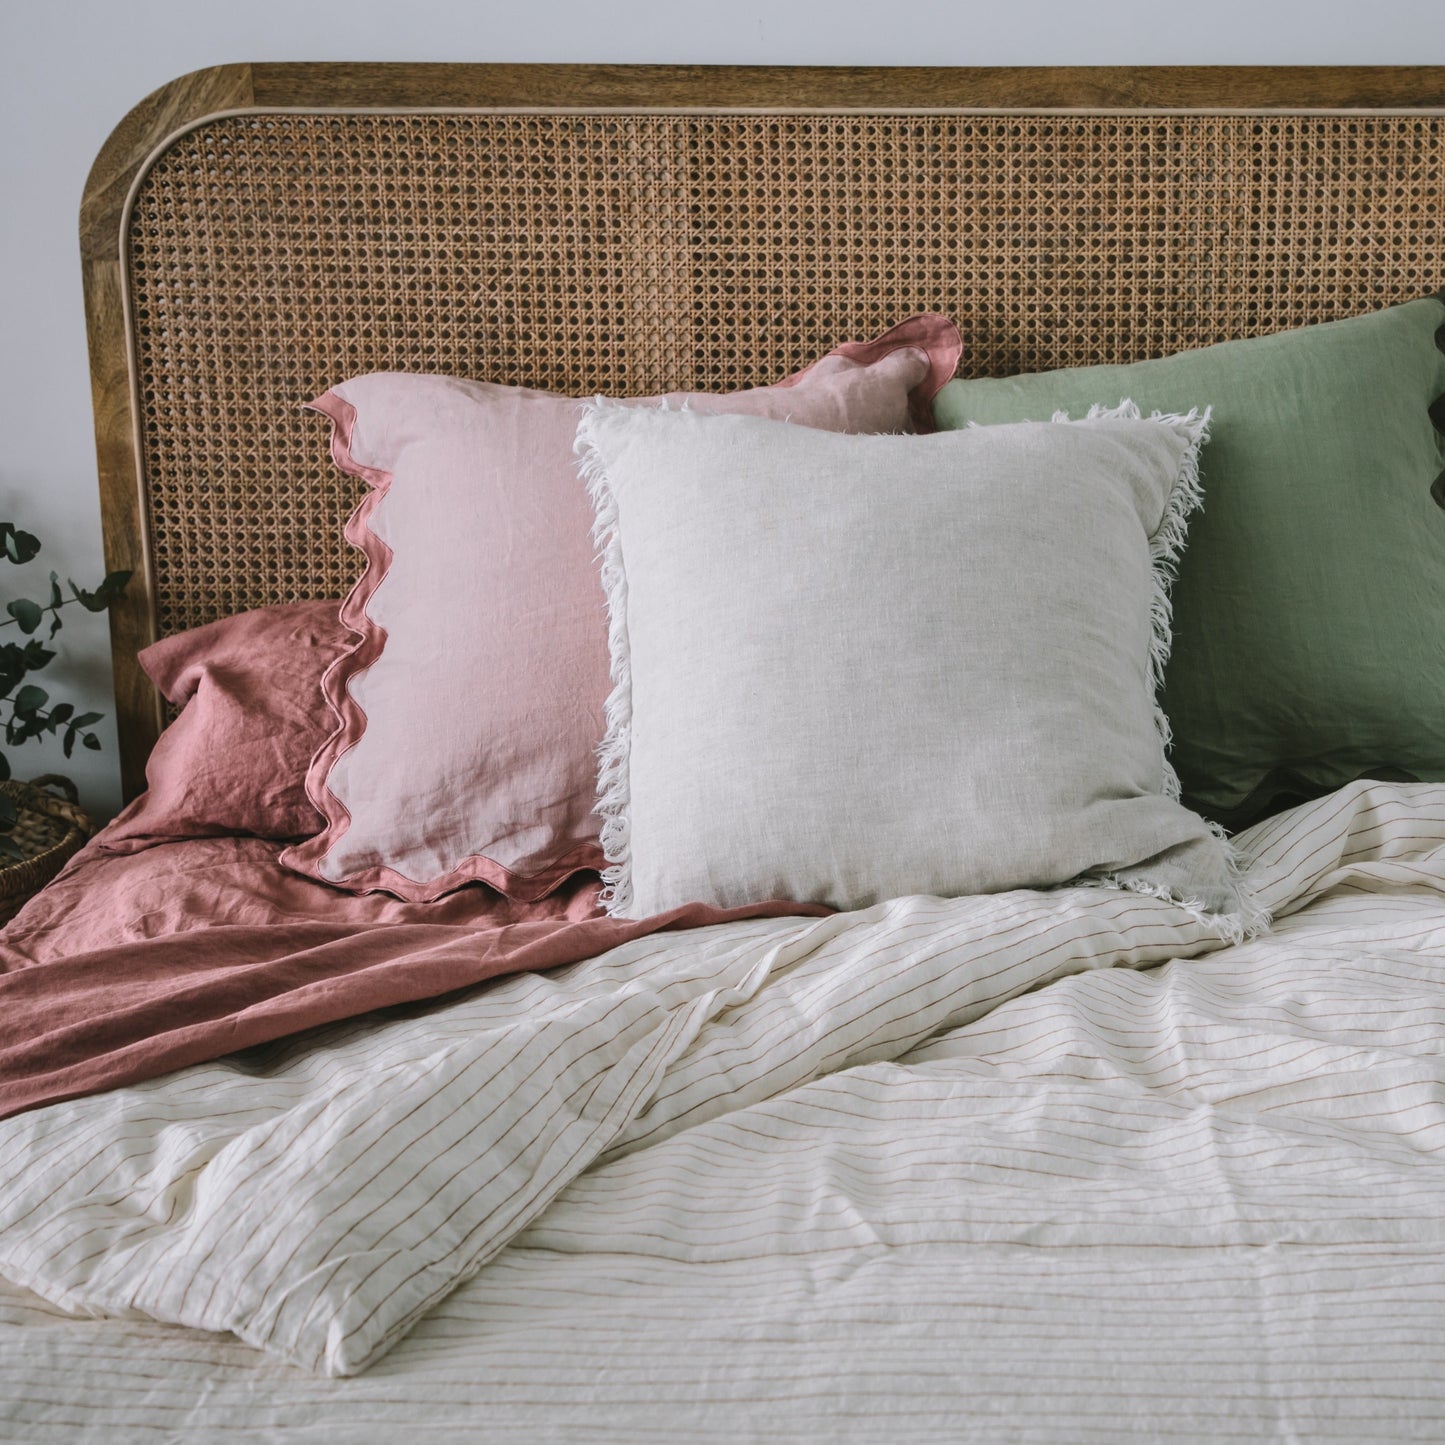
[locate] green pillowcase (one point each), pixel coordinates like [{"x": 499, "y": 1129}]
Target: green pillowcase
[{"x": 1309, "y": 614}]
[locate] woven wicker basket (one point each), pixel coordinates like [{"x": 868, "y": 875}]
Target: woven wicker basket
[{"x": 50, "y": 831}]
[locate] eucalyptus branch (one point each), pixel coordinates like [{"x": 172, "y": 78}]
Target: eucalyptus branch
[
  {"x": 29, "y": 718},
  {"x": 51, "y": 607},
  {"x": 31, "y": 713},
  {"x": 27, "y": 614},
  {"x": 64, "y": 710}
]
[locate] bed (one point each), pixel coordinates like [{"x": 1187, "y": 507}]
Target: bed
[{"x": 284, "y": 1162}]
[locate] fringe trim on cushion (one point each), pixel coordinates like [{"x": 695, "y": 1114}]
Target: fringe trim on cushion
[
  {"x": 1166, "y": 547},
  {"x": 614, "y": 792},
  {"x": 1243, "y": 917}
]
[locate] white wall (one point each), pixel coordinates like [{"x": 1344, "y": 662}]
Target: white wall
[{"x": 72, "y": 68}]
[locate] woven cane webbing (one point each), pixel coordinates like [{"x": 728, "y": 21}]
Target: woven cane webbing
[{"x": 272, "y": 254}]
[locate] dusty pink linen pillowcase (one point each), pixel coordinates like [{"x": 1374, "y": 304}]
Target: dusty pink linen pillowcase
[
  {"x": 252, "y": 716},
  {"x": 470, "y": 711}
]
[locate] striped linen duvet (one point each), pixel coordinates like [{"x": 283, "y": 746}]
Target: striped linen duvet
[{"x": 1042, "y": 1166}]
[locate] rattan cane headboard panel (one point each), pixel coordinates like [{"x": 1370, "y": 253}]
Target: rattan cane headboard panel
[{"x": 268, "y": 253}]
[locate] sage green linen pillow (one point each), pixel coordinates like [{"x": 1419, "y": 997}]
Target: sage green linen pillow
[{"x": 1309, "y": 611}]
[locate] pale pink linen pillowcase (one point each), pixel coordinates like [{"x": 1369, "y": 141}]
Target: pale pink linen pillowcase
[
  {"x": 470, "y": 711},
  {"x": 252, "y": 717}
]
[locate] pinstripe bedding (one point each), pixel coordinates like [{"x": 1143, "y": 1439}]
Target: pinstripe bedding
[{"x": 790, "y": 1178}]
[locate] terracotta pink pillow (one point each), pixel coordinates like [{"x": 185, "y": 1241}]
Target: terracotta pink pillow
[
  {"x": 252, "y": 716},
  {"x": 471, "y": 710}
]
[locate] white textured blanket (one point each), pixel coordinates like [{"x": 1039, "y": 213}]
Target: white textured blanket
[{"x": 830, "y": 1158}]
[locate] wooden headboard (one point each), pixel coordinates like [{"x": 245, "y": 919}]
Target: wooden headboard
[{"x": 253, "y": 233}]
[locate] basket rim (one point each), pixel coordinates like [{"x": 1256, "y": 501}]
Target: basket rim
[{"x": 26, "y": 874}]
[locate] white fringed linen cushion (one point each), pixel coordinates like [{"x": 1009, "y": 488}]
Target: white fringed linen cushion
[{"x": 853, "y": 668}]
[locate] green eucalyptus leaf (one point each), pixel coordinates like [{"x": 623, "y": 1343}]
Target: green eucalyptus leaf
[
  {"x": 86, "y": 719},
  {"x": 110, "y": 588},
  {"x": 13, "y": 667},
  {"x": 26, "y": 613},
  {"x": 30, "y": 698},
  {"x": 114, "y": 585},
  {"x": 36, "y": 655},
  {"x": 67, "y": 743},
  {"x": 57, "y": 597},
  {"x": 60, "y": 713},
  {"x": 19, "y": 546},
  {"x": 92, "y": 742},
  {"x": 4, "y": 768}
]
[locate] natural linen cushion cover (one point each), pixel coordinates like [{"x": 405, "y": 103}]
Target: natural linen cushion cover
[
  {"x": 1309, "y": 613},
  {"x": 471, "y": 709},
  {"x": 849, "y": 668}
]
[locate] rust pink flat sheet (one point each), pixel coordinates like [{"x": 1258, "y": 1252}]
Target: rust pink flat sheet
[{"x": 130, "y": 966}]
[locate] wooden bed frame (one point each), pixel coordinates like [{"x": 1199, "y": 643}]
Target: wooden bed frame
[{"x": 253, "y": 233}]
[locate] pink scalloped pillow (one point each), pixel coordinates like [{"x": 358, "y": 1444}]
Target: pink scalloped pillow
[
  {"x": 252, "y": 716},
  {"x": 471, "y": 710}
]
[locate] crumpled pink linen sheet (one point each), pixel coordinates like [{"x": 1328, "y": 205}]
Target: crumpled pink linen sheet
[{"x": 130, "y": 966}]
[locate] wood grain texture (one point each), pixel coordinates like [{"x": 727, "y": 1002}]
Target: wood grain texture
[
  {"x": 277, "y": 254},
  {"x": 122, "y": 504},
  {"x": 203, "y": 92},
  {"x": 122, "y": 520},
  {"x": 654, "y": 87}
]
